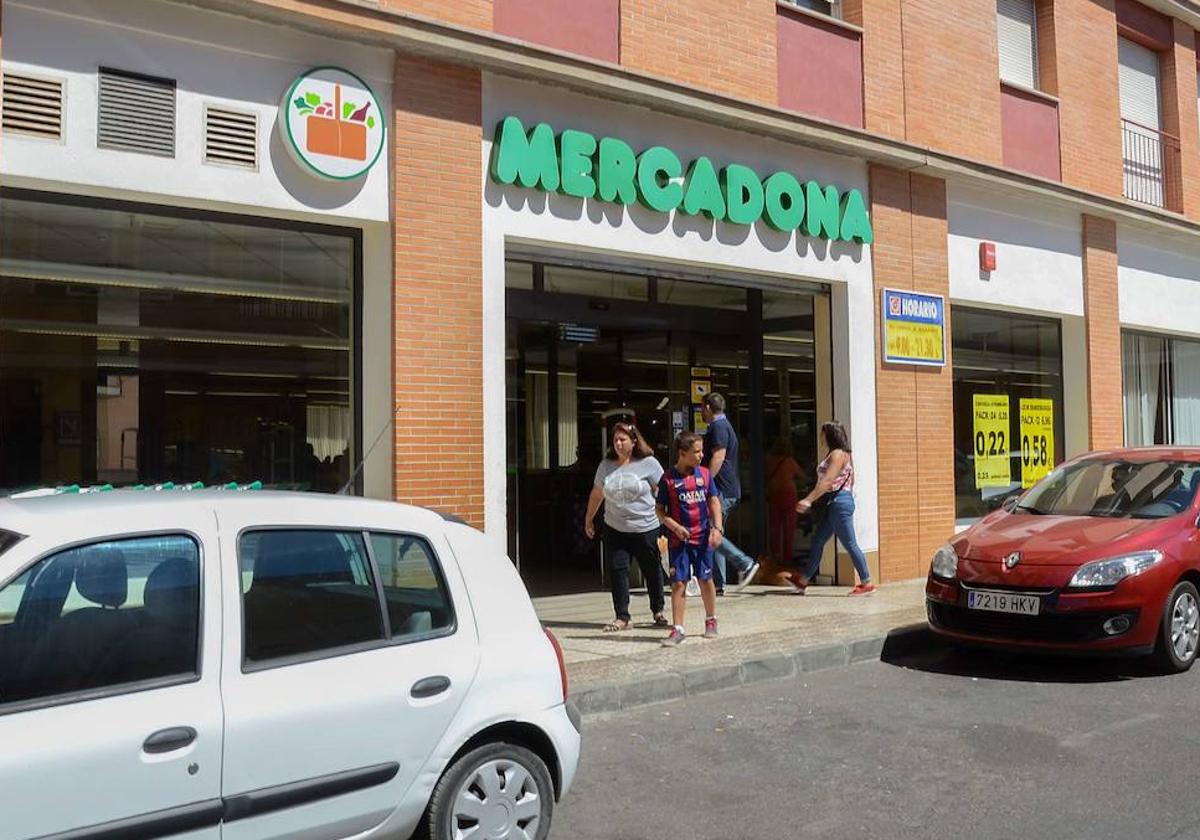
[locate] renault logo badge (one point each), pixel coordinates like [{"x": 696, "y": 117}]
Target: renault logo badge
[{"x": 1012, "y": 560}]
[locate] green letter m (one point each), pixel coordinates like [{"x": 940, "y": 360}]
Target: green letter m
[{"x": 531, "y": 161}]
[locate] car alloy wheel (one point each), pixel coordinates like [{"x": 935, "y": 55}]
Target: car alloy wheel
[
  {"x": 500, "y": 800},
  {"x": 1179, "y": 631},
  {"x": 1185, "y": 626},
  {"x": 498, "y": 791}
]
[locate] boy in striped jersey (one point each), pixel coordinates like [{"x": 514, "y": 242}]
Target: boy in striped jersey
[{"x": 689, "y": 506}]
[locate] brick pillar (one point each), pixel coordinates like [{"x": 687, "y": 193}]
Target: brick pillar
[
  {"x": 1180, "y": 119},
  {"x": 1105, "y": 407},
  {"x": 915, "y": 405},
  {"x": 438, "y": 293}
]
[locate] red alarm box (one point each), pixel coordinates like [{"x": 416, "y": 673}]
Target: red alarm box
[{"x": 987, "y": 256}]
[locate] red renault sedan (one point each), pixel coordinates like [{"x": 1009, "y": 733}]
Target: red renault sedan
[{"x": 1101, "y": 556}]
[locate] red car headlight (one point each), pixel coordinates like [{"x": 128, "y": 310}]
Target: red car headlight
[{"x": 1106, "y": 573}]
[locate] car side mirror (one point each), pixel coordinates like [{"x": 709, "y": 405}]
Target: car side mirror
[{"x": 1010, "y": 504}]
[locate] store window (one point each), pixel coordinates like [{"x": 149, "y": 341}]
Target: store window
[
  {"x": 1161, "y": 379},
  {"x": 142, "y": 344},
  {"x": 1008, "y": 406}
]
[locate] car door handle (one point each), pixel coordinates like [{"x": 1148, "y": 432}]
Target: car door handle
[
  {"x": 166, "y": 740},
  {"x": 429, "y": 687}
]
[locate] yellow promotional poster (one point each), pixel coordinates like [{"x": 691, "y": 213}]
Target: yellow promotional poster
[
  {"x": 992, "y": 466},
  {"x": 1037, "y": 440},
  {"x": 698, "y": 424},
  {"x": 701, "y": 388}
]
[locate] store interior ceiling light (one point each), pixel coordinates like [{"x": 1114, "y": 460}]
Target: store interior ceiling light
[
  {"x": 180, "y": 335},
  {"x": 160, "y": 281}
]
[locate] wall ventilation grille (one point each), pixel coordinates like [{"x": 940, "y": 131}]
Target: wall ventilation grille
[
  {"x": 137, "y": 113},
  {"x": 230, "y": 138},
  {"x": 32, "y": 106}
]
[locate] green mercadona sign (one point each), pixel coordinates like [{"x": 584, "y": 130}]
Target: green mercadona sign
[{"x": 575, "y": 163}]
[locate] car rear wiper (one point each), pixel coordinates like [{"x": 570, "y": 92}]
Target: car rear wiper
[{"x": 1030, "y": 509}]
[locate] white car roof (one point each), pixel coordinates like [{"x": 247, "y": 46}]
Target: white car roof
[{"x": 113, "y": 509}]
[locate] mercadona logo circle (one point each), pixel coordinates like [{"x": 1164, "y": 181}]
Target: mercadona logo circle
[{"x": 333, "y": 123}]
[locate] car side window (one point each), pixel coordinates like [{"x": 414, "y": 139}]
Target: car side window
[
  {"x": 418, "y": 601},
  {"x": 306, "y": 592},
  {"x": 101, "y": 615}
]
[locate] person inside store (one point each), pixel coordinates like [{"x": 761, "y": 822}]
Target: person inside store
[
  {"x": 831, "y": 502},
  {"x": 784, "y": 475},
  {"x": 626, "y": 482},
  {"x": 721, "y": 459}
]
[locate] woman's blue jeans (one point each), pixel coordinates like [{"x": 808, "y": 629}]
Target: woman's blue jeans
[{"x": 839, "y": 520}]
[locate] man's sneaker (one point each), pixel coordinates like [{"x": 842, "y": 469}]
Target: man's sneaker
[
  {"x": 710, "y": 628},
  {"x": 675, "y": 639},
  {"x": 747, "y": 578},
  {"x": 693, "y": 587},
  {"x": 863, "y": 589},
  {"x": 798, "y": 583}
]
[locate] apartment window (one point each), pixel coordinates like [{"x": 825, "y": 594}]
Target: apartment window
[
  {"x": 1147, "y": 151},
  {"x": 1161, "y": 379},
  {"x": 833, "y": 8},
  {"x": 1016, "y": 28}
]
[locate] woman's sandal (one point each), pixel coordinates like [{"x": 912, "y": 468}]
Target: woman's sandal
[
  {"x": 617, "y": 625},
  {"x": 660, "y": 620}
]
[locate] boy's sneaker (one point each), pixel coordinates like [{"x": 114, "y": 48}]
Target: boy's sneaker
[
  {"x": 710, "y": 628},
  {"x": 863, "y": 589},
  {"x": 747, "y": 578},
  {"x": 798, "y": 584},
  {"x": 675, "y": 639}
]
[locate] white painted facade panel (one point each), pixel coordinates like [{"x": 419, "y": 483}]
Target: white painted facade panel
[
  {"x": 1039, "y": 253},
  {"x": 513, "y": 215},
  {"x": 216, "y": 60},
  {"x": 1158, "y": 281}
]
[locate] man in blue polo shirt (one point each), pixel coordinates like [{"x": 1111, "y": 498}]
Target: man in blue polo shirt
[{"x": 721, "y": 458}]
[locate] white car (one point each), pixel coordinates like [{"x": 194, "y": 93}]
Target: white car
[{"x": 252, "y": 665}]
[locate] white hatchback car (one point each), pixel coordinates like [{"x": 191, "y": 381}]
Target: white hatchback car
[{"x": 244, "y": 666}]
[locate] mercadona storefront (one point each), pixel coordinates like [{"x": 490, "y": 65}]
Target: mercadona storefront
[{"x": 633, "y": 262}]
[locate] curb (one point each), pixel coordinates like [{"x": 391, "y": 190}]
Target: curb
[{"x": 672, "y": 685}]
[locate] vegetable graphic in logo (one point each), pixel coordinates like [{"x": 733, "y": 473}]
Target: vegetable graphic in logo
[
  {"x": 333, "y": 125},
  {"x": 337, "y": 128}
]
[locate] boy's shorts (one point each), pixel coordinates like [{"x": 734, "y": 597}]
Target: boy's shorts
[{"x": 688, "y": 559}]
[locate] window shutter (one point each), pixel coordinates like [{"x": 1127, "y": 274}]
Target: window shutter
[
  {"x": 1139, "y": 84},
  {"x": 1016, "y": 28},
  {"x": 230, "y": 137}
]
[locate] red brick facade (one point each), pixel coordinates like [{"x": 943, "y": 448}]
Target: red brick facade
[
  {"x": 438, "y": 293},
  {"x": 915, "y": 415},
  {"x": 1105, "y": 409},
  {"x": 929, "y": 77}
]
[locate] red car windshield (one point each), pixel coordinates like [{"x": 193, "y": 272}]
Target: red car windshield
[{"x": 1116, "y": 488}]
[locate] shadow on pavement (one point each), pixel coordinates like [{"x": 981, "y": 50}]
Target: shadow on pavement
[{"x": 921, "y": 650}]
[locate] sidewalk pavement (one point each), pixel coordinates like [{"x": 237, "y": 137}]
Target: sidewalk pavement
[{"x": 766, "y": 632}]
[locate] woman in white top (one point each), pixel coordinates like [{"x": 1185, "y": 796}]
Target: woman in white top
[
  {"x": 832, "y": 503},
  {"x": 626, "y": 481}
]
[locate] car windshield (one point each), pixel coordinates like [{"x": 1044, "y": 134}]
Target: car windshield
[{"x": 1115, "y": 488}]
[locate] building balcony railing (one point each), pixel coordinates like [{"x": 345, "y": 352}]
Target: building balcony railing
[{"x": 1152, "y": 166}]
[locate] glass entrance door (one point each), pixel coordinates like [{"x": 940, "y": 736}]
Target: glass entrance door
[{"x": 588, "y": 349}]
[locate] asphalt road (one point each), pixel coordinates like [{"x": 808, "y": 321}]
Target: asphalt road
[{"x": 938, "y": 744}]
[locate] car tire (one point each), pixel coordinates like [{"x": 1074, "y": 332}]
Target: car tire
[
  {"x": 1179, "y": 631},
  {"x": 477, "y": 787}
]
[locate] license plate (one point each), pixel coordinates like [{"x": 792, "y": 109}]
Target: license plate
[{"x": 1005, "y": 602}]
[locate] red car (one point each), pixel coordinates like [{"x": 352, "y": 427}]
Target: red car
[{"x": 1101, "y": 556}]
